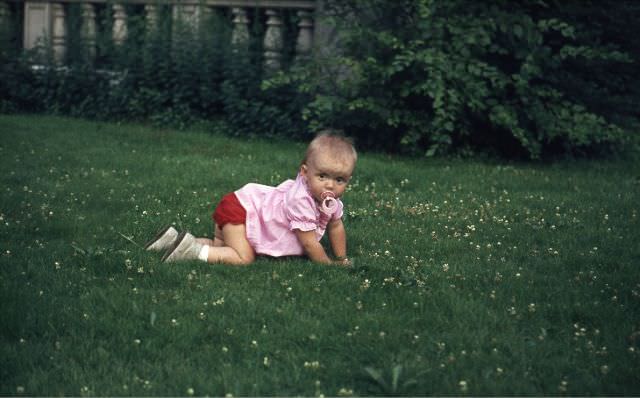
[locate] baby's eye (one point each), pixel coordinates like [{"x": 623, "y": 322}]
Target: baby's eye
[
  {"x": 341, "y": 180},
  {"x": 322, "y": 176}
]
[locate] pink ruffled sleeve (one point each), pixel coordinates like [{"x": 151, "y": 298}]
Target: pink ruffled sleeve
[{"x": 300, "y": 213}]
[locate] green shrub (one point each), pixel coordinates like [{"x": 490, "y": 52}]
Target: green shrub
[
  {"x": 16, "y": 92},
  {"x": 434, "y": 77}
]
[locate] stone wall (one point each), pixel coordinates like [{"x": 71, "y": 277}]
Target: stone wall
[{"x": 47, "y": 20}]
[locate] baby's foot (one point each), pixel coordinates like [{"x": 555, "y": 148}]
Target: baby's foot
[
  {"x": 163, "y": 239},
  {"x": 185, "y": 247}
]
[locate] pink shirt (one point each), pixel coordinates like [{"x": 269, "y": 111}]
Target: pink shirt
[{"x": 273, "y": 213}]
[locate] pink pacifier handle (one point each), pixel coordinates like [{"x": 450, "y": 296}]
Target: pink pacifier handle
[{"x": 329, "y": 203}]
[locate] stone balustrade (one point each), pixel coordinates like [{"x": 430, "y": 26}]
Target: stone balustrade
[{"x": 48, "y": 19}]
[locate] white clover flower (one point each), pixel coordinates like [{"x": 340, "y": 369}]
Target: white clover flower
[
  {"x": 563, "y": 386},
  {"x": 312, "y": 364},
  {"x": 220, "y": 301}
]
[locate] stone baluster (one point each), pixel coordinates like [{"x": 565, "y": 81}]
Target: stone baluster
[
  {"x": 186, "y": 18},
  {"x": 190, "y": 14},
  {"x": 209, "y": 31},
  {"x": 119, "y": 33},
  {"x": 5, "y": 29},
  {"x": 207, "y": 13},
  {"x": 151, "y": 15},
  {"x": 273, "y": 42},
  {"x": 89, "y": 28},
  {"x": 305, "y": 35},
  {"x": 5, "y": 16},
  {"x": 58, "y": 32},
  {"x": 37, "y": 24},
  {"x": 240, "y": 34},
  {"x": 194, "y": 15}
]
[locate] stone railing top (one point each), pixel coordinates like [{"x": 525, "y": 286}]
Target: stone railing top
[{"x": 294, "y": 4}]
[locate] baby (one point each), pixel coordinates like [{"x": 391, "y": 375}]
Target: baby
[{"x": 287, "y": 220}]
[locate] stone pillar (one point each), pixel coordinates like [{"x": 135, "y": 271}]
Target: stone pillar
[
  {"x": 119, "y": 32},
  {"x": 89, "y": 28},
  {"x": 4, "y": 11},
  {"x": 206, "y": 30},
  {"x": 58, "y": 32},
  {"x": 151, "y": 15},
  {"x": 37, "y": 23},
  {"x": 188, "y": 14},
  {"x": 240, "y": 34},
  {"x": 305, "y": 35},
  {"x": 207, "y": 13},
  {"x": 186, "y": 20},
  {"x": 325, "y": 34},
  {"x": 273, "y": 42},
  {"x": 5, "y": 16},
  {"x": 5, "y": 25}
]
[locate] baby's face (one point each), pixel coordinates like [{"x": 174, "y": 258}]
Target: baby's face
[{"x": 324, "y": 173}]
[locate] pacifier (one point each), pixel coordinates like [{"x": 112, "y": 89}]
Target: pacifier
[{"x": 329, "y": 204}]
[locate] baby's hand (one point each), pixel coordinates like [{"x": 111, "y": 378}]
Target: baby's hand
[{"x": 345, "y": 262}]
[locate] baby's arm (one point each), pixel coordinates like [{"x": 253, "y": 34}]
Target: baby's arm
[
  {"x": 312, "y": 247},
  {"x": 338, "y": 240}
]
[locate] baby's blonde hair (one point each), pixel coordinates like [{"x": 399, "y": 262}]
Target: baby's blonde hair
[{"x": 333, "y": 142}]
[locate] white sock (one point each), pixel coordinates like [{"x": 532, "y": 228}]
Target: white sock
[{"x": 204, "y": 253}]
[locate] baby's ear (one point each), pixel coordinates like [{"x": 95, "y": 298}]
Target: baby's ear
[{"x": 303, "y": 170}]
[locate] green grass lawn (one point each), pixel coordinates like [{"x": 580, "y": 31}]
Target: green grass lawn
[{"x": 470, "y": 277}]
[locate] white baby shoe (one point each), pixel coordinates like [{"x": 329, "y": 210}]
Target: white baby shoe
[
  {"x": 163, "y": 240},
  {"x": 185, "y": 247}
]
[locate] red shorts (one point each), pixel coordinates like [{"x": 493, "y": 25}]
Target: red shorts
[{"x": 229, "y": 211}]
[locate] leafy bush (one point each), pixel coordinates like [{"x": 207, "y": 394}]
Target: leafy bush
[{"x": 440, "y": 76}]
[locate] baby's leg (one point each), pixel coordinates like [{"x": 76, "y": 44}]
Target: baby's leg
[
  {"x": 205, "y": 241},
  {"x": 217, "y": 240},
  {"x": 236, "y": 249}
]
